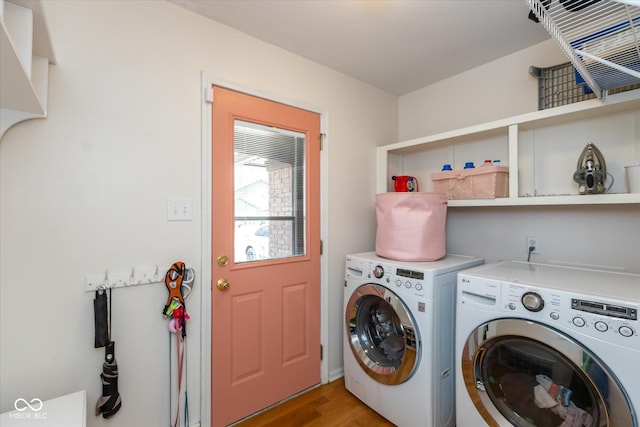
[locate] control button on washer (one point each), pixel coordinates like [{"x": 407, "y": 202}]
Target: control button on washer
[
  {"x": 625, "y": 331},
  {"x": 601, "y": 326},
  {"x": 532, "y": 301},
  {"x": 554, "y": 315},
  {"x": 579, "y": 322},
  {"x": 407, "y": 285},
  {"x": 398, "y": 282},
  {"x": 418, "y": 286},
  {"x": 511, "y": 306},
  {"x": 378, "y": 271}
]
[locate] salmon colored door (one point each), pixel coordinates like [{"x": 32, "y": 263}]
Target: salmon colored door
[{"x": 265, "y": 332}]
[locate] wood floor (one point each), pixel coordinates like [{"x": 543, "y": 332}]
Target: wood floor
[{"x": 330, "y": 405}]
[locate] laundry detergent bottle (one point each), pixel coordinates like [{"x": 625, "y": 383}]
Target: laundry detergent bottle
[{"x": 405, "y": 183}]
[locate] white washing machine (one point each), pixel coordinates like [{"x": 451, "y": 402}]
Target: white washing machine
[
  {"x": 543, "y": 345},
  {"x": 398, "y": 336}
]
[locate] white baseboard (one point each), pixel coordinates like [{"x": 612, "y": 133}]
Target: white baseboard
[{"x": 336, "y": 374}]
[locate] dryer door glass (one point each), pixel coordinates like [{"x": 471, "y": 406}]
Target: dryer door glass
[
  {"x": 531, "y": 375},
  {"x": 382, "y": 334}
]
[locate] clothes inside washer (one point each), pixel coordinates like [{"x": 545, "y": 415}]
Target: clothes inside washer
[
  {"x": 519, "y": 398},
  {"x": 393, "y": 347}
]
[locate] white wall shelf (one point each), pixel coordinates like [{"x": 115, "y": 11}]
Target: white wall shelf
[
  {"x": 588, "y": 199},
  {"x": 540, "y": 148},
  {"x": 25, "y": 55}
]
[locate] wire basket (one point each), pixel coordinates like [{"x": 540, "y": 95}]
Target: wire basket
[{"x": 562, "y": 85}]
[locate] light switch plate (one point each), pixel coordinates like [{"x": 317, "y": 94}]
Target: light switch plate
[{"x": 179, "y": 208}]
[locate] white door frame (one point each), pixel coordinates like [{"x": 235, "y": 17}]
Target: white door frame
[{"x": 206, "y": 175}]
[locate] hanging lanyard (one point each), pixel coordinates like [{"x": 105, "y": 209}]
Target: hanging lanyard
[
  {"x": 180, "y": 351},
  {"x": 179, "y": 281}
]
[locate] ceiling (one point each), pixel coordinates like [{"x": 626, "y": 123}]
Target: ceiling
[{"x": 395, "y": 45}]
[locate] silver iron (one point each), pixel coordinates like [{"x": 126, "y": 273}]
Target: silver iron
[{"x": 591, "y": 171}]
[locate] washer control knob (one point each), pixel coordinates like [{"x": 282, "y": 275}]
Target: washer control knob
[
  {"x": 579, "y": 322},
  {"x": 625, "y": 331},
  {"x": 378, "y": 271},
  {"x": 512, "y": 306},
  {"x": 407, "y": 285},
  {"x": 601, "y": 326},
  {"x": 398, "y": 282},
  {"x": 532, "y": 301},
  {"x": 554, "y": 315},
  {"x": 418, "y": 286}
]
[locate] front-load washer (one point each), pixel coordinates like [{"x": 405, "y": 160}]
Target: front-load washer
[
  {"x": 547, "y": 345},
  {"x": 398, "y": 336}
]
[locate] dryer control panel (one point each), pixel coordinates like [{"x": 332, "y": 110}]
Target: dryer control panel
[
  {"x": 400, "y": 279},
  {"x": 611, "y": 310},
  {"x": 607, "y": 320}
]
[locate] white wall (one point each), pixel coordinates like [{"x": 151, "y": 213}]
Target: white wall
[
  {"x": 495, "y": 90},
  {"x": 587, "y": 235},
  {"x": 85, "y": 190}
]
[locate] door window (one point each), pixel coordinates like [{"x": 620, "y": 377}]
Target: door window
[{"x": 269, "y": 192}]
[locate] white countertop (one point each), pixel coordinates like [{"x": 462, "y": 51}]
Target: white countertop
[{"x": 65, "y": 411}]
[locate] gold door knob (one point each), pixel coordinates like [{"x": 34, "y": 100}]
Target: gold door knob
[{"x": 223, "y": 284}]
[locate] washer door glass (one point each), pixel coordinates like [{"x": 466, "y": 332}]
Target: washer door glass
[
  {"x": 532, "y": 375},
  {"x": 382, "y": 334}
]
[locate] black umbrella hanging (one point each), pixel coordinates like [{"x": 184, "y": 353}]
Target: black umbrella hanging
[
  {"x": 100, "y": 314},
  {"x": 109, "y": 403}
]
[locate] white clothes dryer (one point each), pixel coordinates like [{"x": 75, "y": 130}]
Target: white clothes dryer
[
  {"x": 547, "y": 345},
  {"x": 398, "y": 336}
]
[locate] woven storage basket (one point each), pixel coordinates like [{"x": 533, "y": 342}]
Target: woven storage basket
[{"x": 488, "y": 182}]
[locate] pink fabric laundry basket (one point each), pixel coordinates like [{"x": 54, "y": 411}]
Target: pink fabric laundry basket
[{"x": 411, "y": 226}]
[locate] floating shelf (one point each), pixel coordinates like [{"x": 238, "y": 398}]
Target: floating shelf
[
  {"x": 600, "y": 37},
  {"x": 540, "y": 149},
  {"x": 586, "y": 199},
  {"x": 25, "y": 55}
]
